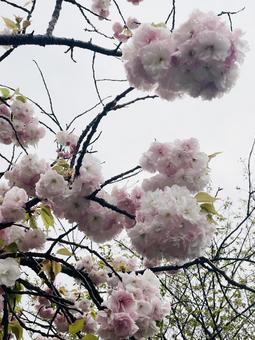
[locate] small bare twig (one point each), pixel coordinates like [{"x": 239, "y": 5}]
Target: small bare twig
[
  {"x": 172, "y": 14},
  {"x": 229, "y": 16}
]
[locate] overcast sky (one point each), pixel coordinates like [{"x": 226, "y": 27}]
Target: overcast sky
[{"x": 225, "y": 124}]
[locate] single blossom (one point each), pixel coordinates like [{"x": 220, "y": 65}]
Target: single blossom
[
  {"x": 32, "y": 239},
  {"x": 9, "y": 272},
  {"x": 50, "y": 185},
  {"x": 13, "y": 204},
  {"x": 26, "y": 173},
  {"x": 101, "y": 7}
]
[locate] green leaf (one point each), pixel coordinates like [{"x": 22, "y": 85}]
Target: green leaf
[
  {"x": 46, "y": 215},
  {"x": 31, "y": 219},
  {"x": 210, "y": 209},
  {"x": 52, "y": 268},
  {"x": 56, "y": 267},
  {"x": 204, "y": 197},
  {"x": 33, "y": 223},
  {"x": 89, "y": 337},
  {"x": 18, "y": 19},
  {"x": 5, "y": 92},
  {"x": 16, "y": 329},
  {"x": 77, "y": 326},
  {"x": 62, "y": 168},
  {"x": 25, "y": 24},
  {"x": 64, "y": 251},
  {"x": 12, "y": 248},
  {"x": 210, "y": 219},
  {"x": 19, "y": 287},
  {"x": 63, "y": 164},
  {"x": 15, "y": 299},
  {"x": 10, "y": 24},
  {"x": 213, "y": 155},
  {"x": 21, "y": 98}
]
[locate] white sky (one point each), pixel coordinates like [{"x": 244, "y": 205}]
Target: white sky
[{"x": 226, "y": 124}]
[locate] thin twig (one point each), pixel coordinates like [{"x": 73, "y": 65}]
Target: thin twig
[
  {"x": 94, "y": 78},
  {"x": 15, "y": 5},
  {"x": 49, "y": 96}
]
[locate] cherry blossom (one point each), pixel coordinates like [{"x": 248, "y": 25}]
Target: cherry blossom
[
  {"x": 9, "y": 272},
  {"x": 180, "y": 162},
  {"x": 101, "y": 7},
  {"x": 201, "y": 58},
  {"x": 132, "y": 308},
  {"x": 32, "y": 239},
  {"x": 96, "y": 274},
  {"x": 170, "y": 225},
  {"x": 67, "y": 142},
  {"x": 20, "y": 126},
  {"x": 12, "y": 208},
  {"x": 50, "y": 185},
  {"x": 26, "y": 173}
]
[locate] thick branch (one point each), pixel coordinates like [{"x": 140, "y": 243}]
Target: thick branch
[{"x": 44, "y": 40}]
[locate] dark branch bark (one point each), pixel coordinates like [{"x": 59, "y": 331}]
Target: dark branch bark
[
  {"x": 55, "y": 17},
  {"x": 44, "y": 40}
]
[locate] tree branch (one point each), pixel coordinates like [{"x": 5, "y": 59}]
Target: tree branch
[
  {"x": 54, "y": 18},
  {"x": 44, "y": 40}
]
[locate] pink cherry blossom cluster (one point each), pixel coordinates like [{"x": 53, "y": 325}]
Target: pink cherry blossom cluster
[
  {"x": 123, "y": 32},
  {"x": 47, "y": 311},
  {"x": 124, "y": 264},
  {"x": 96, "y": 274},
  {"x": 12, "y": 204},
  {"x": 127, "y": 202},
  {"x": 26, "y": 173},
  {"x": 201, "y": 58},
  {"x": 133, "y": 308},
  {"x": 67, "y": 144},
  {"x": 182, "y": 231},
  {"x": 69, "y": 200},
  {"x": 101, "y": 224},
  {"x": 180, "y": 162},
  {"x": 18, "y": 124},
  {"x": 25, "y": 239},
  {"x": 171, "y": 225},
  {"x": 120, "y": 32}
]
